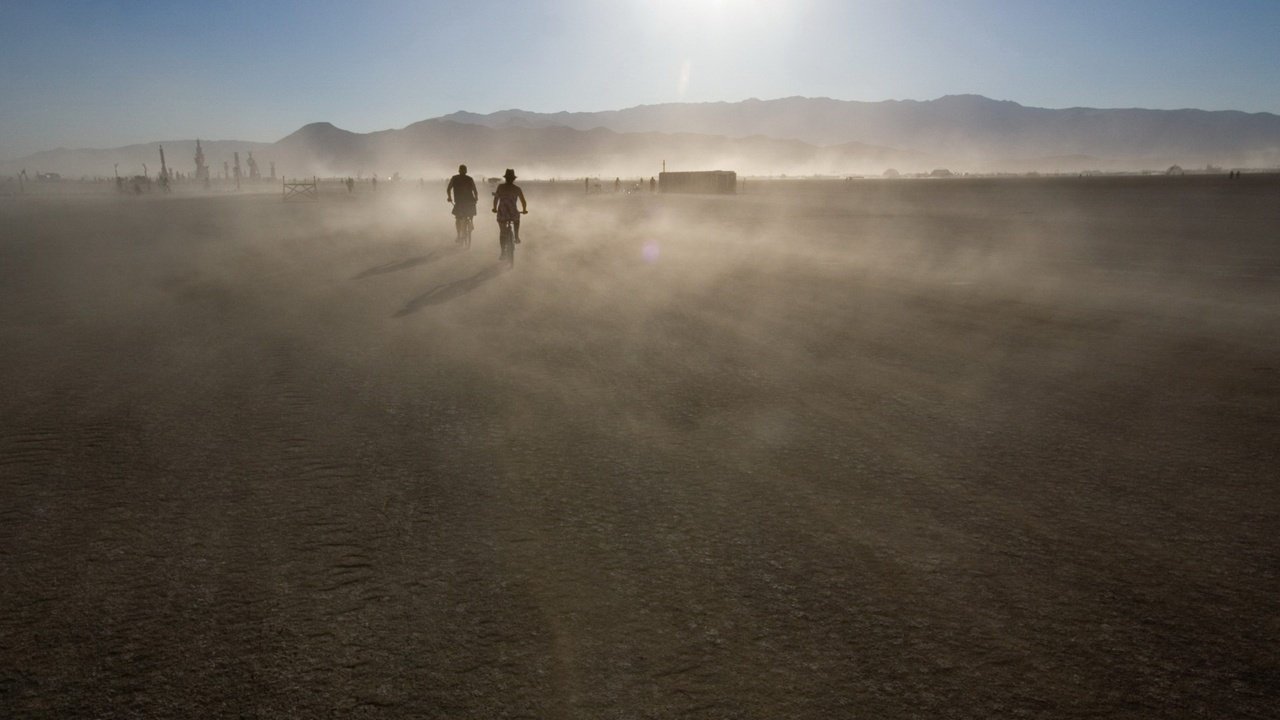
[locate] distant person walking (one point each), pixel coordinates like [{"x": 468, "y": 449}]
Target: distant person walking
[
  {"x": 504, "y": 202},
  {"x": 652, "y": 184},
  {"x": 462, "y": 192},
  {"x": 617, "y": 184}
]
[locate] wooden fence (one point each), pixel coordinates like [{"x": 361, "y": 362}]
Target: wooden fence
[{"x": 301, "y": 190}]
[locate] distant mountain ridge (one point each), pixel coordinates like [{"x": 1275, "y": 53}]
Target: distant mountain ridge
[
  {"x": 434, "y": 148},
  {"x": 788, "y": 135},
  {"x": 431, "y": 146},
  {"x": 954, "y": 128}
]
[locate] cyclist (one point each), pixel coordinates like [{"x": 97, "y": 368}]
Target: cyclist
[
  {"x": 504, "y": 202},
  {"x": 462, "y": 193}
]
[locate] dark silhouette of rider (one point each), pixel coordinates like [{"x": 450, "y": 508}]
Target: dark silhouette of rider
[
  {"x": 504, "y": 202},
  {"x": 461, "y": 191}
]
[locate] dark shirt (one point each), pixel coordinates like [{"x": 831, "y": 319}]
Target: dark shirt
[
  {"x": 504, "y": 200},
  {"x": 463, "y": 189}
]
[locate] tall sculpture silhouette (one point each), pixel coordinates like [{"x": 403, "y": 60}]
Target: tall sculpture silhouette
[{"x": 202, "y": 170}]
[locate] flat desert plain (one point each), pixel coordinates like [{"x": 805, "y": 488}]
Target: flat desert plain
[{"x": 881, "y": 449}]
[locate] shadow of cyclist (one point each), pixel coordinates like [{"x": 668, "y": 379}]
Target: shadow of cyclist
[
  {"x": 448, "y": 291},
  {"x": 391, "y": 267}
]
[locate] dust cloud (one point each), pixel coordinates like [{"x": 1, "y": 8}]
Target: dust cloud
[{"x": 821, "y": 448}]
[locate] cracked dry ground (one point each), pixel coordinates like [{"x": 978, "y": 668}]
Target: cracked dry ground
[{"x": 935, "y": 449}]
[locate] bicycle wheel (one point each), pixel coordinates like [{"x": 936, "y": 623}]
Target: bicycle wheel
[
  {"x": 506, "y": 237},
  {"x": 466, "y": 234}
]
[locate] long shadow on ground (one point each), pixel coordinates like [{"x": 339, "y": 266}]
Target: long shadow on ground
[
  {"x": 451, "y": 290},
  {"x": 391, "y": 267}
]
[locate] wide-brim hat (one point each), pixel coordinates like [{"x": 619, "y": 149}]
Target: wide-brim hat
[{"x": 511, "y": 174}]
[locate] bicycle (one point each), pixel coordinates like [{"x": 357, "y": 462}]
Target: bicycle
[
  {"x": 506, "y": 241},
  {"x": 465, "y": 226}
]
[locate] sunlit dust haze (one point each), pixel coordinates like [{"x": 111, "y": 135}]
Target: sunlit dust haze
[{"x": 855, "y": 360}]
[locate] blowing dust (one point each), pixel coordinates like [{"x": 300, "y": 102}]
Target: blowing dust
[{"x": 688, "y": 452}]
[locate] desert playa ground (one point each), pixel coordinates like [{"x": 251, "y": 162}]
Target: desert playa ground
[{"x": 881, "y": 449}]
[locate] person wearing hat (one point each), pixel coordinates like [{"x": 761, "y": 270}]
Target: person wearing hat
[
  {"x": 504, "y": 202},
  {"x": 461, "y": 191}
]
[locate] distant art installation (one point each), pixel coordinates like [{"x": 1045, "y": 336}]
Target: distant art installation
[
  {"x": 164, "y": 171},
  {"x": 202, "y": 170}
]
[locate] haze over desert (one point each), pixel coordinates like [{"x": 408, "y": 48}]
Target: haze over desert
[
  {"x": 896, "y": 447},
  {"x": 963, "y": 406}
]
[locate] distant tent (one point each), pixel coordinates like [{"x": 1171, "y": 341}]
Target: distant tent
[
  {"x": 891, "y": 173},
  {"x": 941, "y": 172},
  {"x": 721, "y": 182},
  {"x": 1174, "y": 170}
]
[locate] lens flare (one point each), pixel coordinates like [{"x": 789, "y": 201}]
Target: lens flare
[{"x": 650, "y": 252}]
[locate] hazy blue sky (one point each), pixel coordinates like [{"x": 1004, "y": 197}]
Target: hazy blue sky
[{"x": 102, "y": 74}]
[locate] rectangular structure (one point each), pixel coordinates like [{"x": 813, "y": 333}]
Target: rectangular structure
[
  {"x": 301, "y": 190},
  {"x": 721, "y": 182}
]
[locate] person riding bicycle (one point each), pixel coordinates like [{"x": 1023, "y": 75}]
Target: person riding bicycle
[
  {"x": 504, "y": 202},
  {"x": 462, "y": 193}
]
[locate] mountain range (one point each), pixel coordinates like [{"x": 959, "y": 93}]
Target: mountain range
[
  {"x": 790, "y": 135},
  {"x": 951, "y": 127}
]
